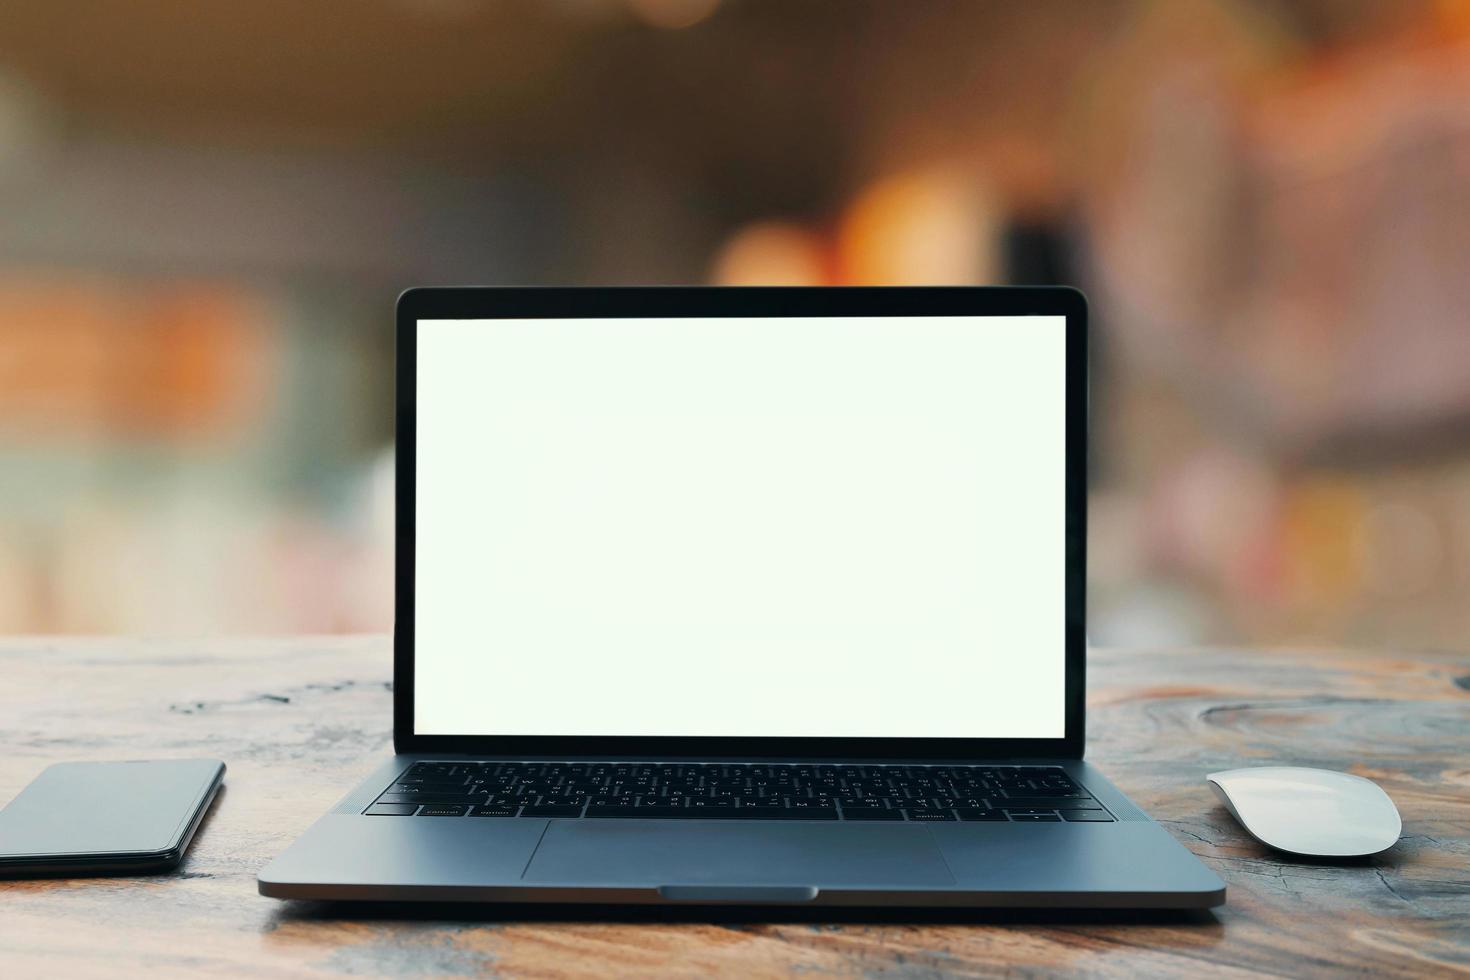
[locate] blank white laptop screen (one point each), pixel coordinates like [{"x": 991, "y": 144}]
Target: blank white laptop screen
[{"x": 825, "y": 526}]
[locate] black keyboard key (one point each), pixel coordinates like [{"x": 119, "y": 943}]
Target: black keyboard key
[
  {"x": 442, "y": 811},
  {"x": 870, "y": 813},
  {"x": 929, "y": 815},
  {"x": 415, "y": 786},
  {"x": 1030, "y": 811},
  {"x": 1036, "y": 818},
  {"x": 1051, "y": 792},
  {"x": 391, "y": 809},
  {"x": 430, "y": 792},
  {"x": 435, "y": 798},
  {"x": 494, "y": 811},
  {"x": 712, "y": 813},
  {"x": 1086, "y": 816},
  {"x": 551, "y": 811},
  {"x": 1043, "y": 802}
]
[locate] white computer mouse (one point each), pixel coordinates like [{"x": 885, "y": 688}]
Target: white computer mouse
[{"x": 1312, "y": 812}]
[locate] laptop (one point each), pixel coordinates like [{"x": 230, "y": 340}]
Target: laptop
[{"x": 740, "y": 596}]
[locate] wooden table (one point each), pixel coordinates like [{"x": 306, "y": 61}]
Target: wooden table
[{"x": 300, "y": 720}]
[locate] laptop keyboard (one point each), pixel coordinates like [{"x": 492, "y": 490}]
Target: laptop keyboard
[{"x": 1024, "y": 794}]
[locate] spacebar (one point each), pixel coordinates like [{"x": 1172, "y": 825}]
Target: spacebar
[{"x": 711, "y": 813}]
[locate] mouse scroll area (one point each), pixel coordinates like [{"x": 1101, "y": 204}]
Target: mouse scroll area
[{"x": 1310, "y": 812}]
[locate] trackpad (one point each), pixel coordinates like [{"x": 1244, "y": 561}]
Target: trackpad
[{"x": 676, "y": 852}]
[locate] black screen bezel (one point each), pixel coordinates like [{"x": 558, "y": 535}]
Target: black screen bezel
[{"x": 698, "y": 301}]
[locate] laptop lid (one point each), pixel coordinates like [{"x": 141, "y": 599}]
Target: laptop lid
[{"x": 843, "y": 523}]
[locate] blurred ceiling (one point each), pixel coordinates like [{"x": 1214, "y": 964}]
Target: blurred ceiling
[{"x": 477, "y": 81}]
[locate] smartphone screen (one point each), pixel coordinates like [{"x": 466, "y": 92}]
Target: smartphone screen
[{"x": 106, "y": 816}]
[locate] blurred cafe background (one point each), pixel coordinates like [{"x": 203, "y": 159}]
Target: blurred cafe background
[{"x": 207, "y": 210}]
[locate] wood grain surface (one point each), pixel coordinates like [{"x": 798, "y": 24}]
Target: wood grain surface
[{"x": 300, "y": 720}]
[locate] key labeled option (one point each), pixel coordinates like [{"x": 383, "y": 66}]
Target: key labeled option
[{"x": 494, "y": 811}]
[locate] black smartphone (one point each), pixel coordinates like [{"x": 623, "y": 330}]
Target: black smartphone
[{"x": 96, "y": 818}]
